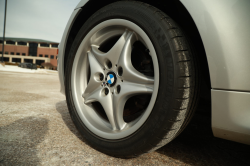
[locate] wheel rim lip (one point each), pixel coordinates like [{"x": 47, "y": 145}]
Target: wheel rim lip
[{"x": 82, "y": 109}]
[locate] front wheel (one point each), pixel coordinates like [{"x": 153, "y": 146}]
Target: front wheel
[{"x": 131, "y": 81}]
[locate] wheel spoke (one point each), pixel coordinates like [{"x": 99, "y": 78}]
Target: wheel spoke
[
  {"x": 114, "y": 53},
  {"x": 92, "y": 96},
  {"x": 105, "y": 100},
  {"x": 129, "y": 72},
  {"x": 114, "y": 105},
  {"x": 107, "y": 104},
  {"x": 95, "y": 72},
  {"x": 135, "y": 82},
  {"x": 119, "y": 99},
  {"x": 94, "y": 92}
]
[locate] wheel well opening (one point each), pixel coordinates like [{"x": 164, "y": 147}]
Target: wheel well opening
[{"x": 175, "y": 10}]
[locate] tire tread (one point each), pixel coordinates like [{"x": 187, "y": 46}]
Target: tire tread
[{"x": 186, "y": 96}]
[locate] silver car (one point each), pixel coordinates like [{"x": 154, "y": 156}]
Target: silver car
[{"x": 134, "y": 71}]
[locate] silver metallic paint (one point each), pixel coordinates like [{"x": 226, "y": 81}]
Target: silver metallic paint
[
  {"x": 81, "y": 4},
  {"x": 231, "y": 115},
  {"x": 224, "y": 28},
  {"x": 61, "y": 52}
]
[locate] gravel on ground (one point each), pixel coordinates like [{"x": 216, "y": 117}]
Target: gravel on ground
[{"x": 36, "y": 129}]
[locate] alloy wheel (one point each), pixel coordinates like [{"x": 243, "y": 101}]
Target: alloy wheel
[{"x": 115, "y": 79}]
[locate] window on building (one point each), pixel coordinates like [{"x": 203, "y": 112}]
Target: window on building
[
  {"x": 46, "y": 56},
  {"x": 10, "y": 42},
  {"x": 44, "y": 45},
  {"x": 5, "y": 59},
  {"x": 22, "y": 43},
  {"x": 28, "y": 60},
  {"x": 54, "y": 45},
  {"x": 16, "y": 60},
  {"x": 12, "y": 53},
  {"x": 40, "y": 55},
  {"x": 23, "y": 54},
  {"x": 1, "y": 52},
  {"x": 18, "y": 53},
  {"x": 51, "y": 56},
  {"x": 33, "y": 49},
  {"x": 39, "y": 62},
  {"x": 1, "y": 41},
  {"x": 6, "y": 53},
  {"x": 56, "y": 57}
]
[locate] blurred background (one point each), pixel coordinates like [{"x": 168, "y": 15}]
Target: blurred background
[{"x": 33, "y": 31}]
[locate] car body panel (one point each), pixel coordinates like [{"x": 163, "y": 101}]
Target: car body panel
[
  {"x": 231, "y": 115},
  {"x": 224, "y": 29},
  {"x": 81, "y": 3},
  {"x": 62, "y": 48}
]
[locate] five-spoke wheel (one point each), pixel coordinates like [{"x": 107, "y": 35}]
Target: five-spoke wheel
[
  {"x": 115, "y": 62},
  {"x": 131, "y": 79}
]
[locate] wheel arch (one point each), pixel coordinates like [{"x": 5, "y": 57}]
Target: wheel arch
[{"x": 174, "y": 9}]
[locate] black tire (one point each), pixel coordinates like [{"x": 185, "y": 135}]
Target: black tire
[{"x": 178, "y": 88}]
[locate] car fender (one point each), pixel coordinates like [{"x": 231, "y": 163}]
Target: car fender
[
  {"x": 61, "y": 49},
  {"x": 224, "y": 29}
]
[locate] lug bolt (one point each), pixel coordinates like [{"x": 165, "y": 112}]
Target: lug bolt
[
  {"x": 106, "y": 91},
  {"x": 101, "y": 77},
  {"x": 118, "y": 88},
  {"x": 108, "y": 64},
  {"x": 120, "y": 71}
]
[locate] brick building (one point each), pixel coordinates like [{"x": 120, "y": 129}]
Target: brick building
[{"x": 29, "y": 50}]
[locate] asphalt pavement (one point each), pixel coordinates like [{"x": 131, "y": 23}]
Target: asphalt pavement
[{"x": 36, "y": 129}]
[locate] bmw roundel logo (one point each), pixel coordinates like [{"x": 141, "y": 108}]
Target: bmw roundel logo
[{"x": 111, "y": 78}]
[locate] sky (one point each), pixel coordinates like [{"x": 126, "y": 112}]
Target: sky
[{"x": 37, "y": 19}]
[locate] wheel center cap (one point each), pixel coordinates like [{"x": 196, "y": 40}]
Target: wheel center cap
[{"x": 111, "y": 79}]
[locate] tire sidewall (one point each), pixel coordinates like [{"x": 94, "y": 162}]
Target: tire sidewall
[{"x": 149, "y": 131}]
